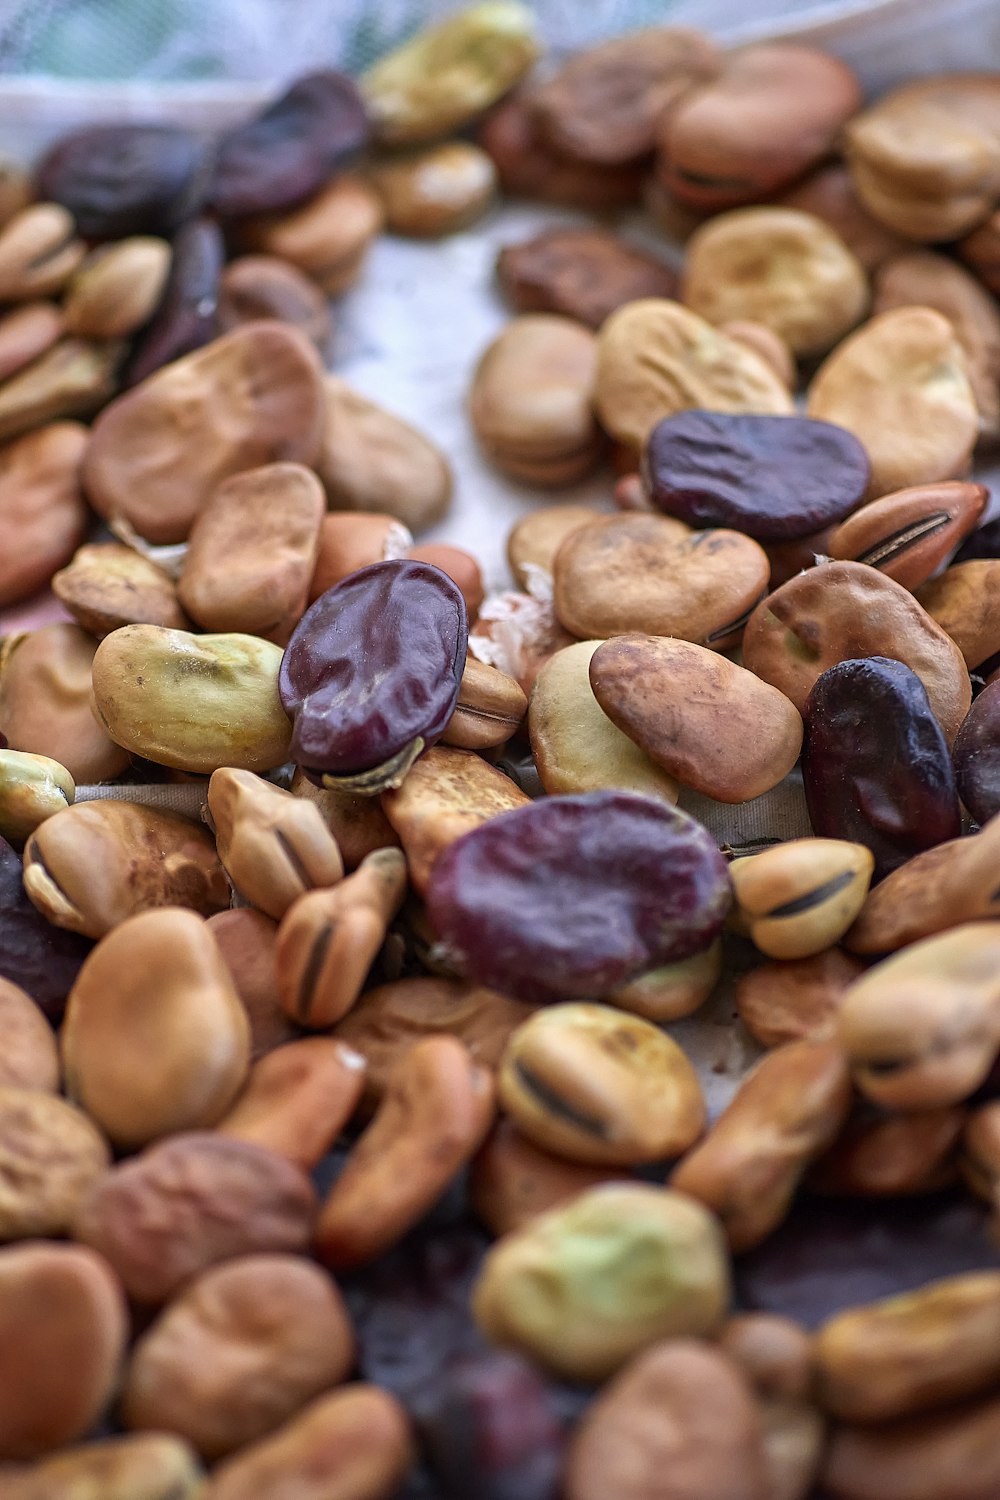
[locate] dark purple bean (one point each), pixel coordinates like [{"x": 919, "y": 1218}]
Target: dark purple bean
[
  {"x": 774, "y": 478},
  {"x": 977, "y": 755},
  {"x": 372, "y": 672},
  {"x": 984, "y": 542},
  {"x": 572, "y": 896},
  {"x": 290, "y": 150},
  {"x": 118, "y": 180},
  {"x": 187, "y": 316},
  {"x": 44, "y": 960},
  {"x": 875, "y": 764}
]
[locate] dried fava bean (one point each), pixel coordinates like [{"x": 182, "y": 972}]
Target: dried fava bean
[
  {"x": 900, "y": 384},
  {"x": 29, "y": 1058},
  {"x": 390, "y": 1019},
  {"x": 604, "y": 105},
  {"x": 572, "y": 896},
  {"x": 152, "y": 1465},
  {"x": 952, "y": 1452},
  {"x": 787, "y": 1111},
  {"x": 517, "y": 633},
  {"x": 39, "y": 252},
  {"x": 585, "y": 1286},
  {"x": 921, "y": 1028},
  {"x": 775, "y": 1354},
  {"x": 774, "y": 110},
  {"x": 374, "y": 461},
  {"x": 675, "y": 698},
  {"x": 238, "y": 1352},
  {"x": 513, "y": 1180},
  {"x": 438, "y": 1106},
  {"x": 194, "y": 702},
  {"x": 673, "y": 990},
  {"x": 961, "y": 600},
  {"x": 117, "y": 288},
  {"x": 528, "y": 168},
  {"x": 655, "y": 358},
  {"x": 297, "y": 1099},
  {"x": 38, "y": 958},
  {"x": 534, "y": 540},
  {"x": 797, "y": 1000},
  {"x": 357, "y": 823},
  {"x": 875, "y": 762},
  {"x": 889, "y": 1155},
  {"x": 247, "y": 940},
  {"x": 372, "y": 673},
  {"x": 980, "y": 1160},
  {"x": 581, "y": 273},
  {"x": 679, "y": 1422},
  {"x": 531, "y": 401},
  {"x": 15, "y": 189},
  {"x": 981, "y": 251},
  {"x": 829, "y": 194},
  {"x": 262, "y": 286},
  {"x": 977, "y": 755},
  {"x": 774, "y": 478},
  {"x": 353, "y": 1444},
  {"x": 252, "y": 552},
  {"x": 32, "y": 788},
  {"x": 185, "y": 319},
  {"x": 51, "y": 1156},
  {"x": 327, "y": 237},
  {"x": 801, "y": 896},
  {"x": 911, "y": 1353},
  {"x": 447, "y": 74},
  {"x": 447, "y": 793},
  {"x": 771, "y": 347},
  {"x": 190, "y": 1202},
  {"x": 933, "y": 891},
  {"x": 106, "y": 585},
  {"x": 436, "y": 190},
  {"x": 155, "y": 1038},
  {"x": 92, "y": 865},
  {"x": 575, "y": 745},
  {"x": 842, "y": 611},
  {"x": 780, "y": 267},
  {"x": 652, "y": 574},
  {"x": 119, "y": 180},
  {"x": 43, "y": 515},
  {"x": 490, "y": 708},
  {"x": 26, "y": 333},
  {"x": 73, "y": 379},
  {"x": 63, "y": 1329},
  {"x": 909, "y": 534},
  {"x": 461, "y": 567},
  {"x": 597, "y": 1086},
  {"x": 291, "y": 148},
  {"x": 351, "y": 540},
  {"x": 273, "y": 845},
  {"x": 329, "y": 939},
  {"x": 252, "y": 397}
]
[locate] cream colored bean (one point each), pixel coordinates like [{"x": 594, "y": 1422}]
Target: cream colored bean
[{"x": 801, "y": 896}]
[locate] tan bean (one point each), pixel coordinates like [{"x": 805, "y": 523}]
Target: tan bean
[
  {"x": 961, "y": 600},
  {"x": 584, "y": 274},
  {"x": 94, "y": 864},
  {"x": 437, "y": 1108},
  {"x": 107, "y": 585},
  {"x": 45, "y": 698},
  {"x": 460, "y": 566},
  {"x": 39, "y": 251},
  {"x": 921, "y": 1028},
  {"x": 117, "y": 288},
  {"x": 26, "y": 333},
  {"x": 238, "y": 1352},
  {"x": 800, "y": 897},
  {"x": 354, "y": 1444},
  {"x": 674, "y": 990},
  {"x": 138, "y": 1466},
  {"x": 74, "y": 378},
  {"x": 297, "y": 1099},
  {"x": 327, "y": 237},
  {"x": 43, "y": 515},
  {"x": 599, "y": 1087},
  {"x": 776, "y": 1355},
  {"x": 63, "y": 1327},
  {"x": 788, "y": 1110},
  {"x": 534, "y": 540},
  {"x": 829, "y": 194},
  {"x": 262, "y": 286},
  {"x": 908, "y": 535},
  {"x": 585, "y": 1286},
  {"x": 885, "y": 1156},
  {"x": 954, "y": 1453},
  {"x": 51, "y": 1156},
  {"x": 155, "y": 1038},
  {"x": 357, "y": 823},
  {"x": 980, "y": 1160},
  {"x": 354, "y": 539},
  {"x": 434, "y": 191},
  {"x": 191, "y": 1202},
  {"x": 247, "y": 941},
  {"x": 329, "y": 939},
  {"x": 512, "y": 1180},
  {"x": 489, "y": 710},
  {"x": 32, "y": 788},
  {"x": 797, "y": 1000},
  {"x": 29, "y": 1058}
]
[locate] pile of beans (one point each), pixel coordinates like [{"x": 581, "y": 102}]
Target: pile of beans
[{"x": 346, "y": 1149}]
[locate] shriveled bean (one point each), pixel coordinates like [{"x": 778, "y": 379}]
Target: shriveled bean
[
  {"x": 106, "y": 585},
  {"x": 582, "y": 273},
  {"x": 297, "y": 1099},
  {"x": 51, "y": 1156},
  {"x": 124, "y": 179}
]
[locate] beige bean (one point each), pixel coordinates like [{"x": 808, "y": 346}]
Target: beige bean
[
  {"x": 193, "y": 702},
  {"x": 962, "y": 601},
  {"x": 438, "y": 1106},
  {"x": 29, "y": 1058},
  {"x": 829, "y": 194},
  {"x": 39, "y": 251},
  {"x": 327, "y": 237},
  {"x": 74, "y": 378},
  {"x": 51, "y": 1156},
  {"x": 785, "y": 1113},
  {"x": 96, "y": 863},
  {"x": 43, "y": 515},
  {"x": 117, "y": 288},
  {"x": 901, "y": 385},
  {"x": 512, "y": 1180},
  {"x": 674, "y": 990},
  {"x": 248, "y": 942},
  {"x": 63, "y": 1328},
  {"x": 921, "y": 1028},
  {"x": 490, "y": 709},
  {"x": 796, "y": 1000},
  {"x": 252, "y": 551},
  {"x": 274, "y": 846},
  {"x": 534, "y": 540},
  {"x": 297, "y": 1099},
  {"x": 801, "y": 896},
  {"x": 238, "y": 1352},
  {"x": 107, "y": 585},
  {"x": 677, "y": 701},
  {"x": 329, "y": 939},
  {"x": 190, "y": 1202},
  {"x": 354, "y": 1444},
  {"x": 45, "y": 698},
  {"x": 32, "y": 788},
  {"x": 954, "y": 1453},
  {"x": 262, "y": 286},
  {"x": 679, "y": 1422},
  {"x": 434, "y": 191},
  {"x": 584, "y": 1287},
  {"x": 138, "y": 1466},
  {"x": 155, "y": 1038},
  {"x": 591, "y": 1084}
]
